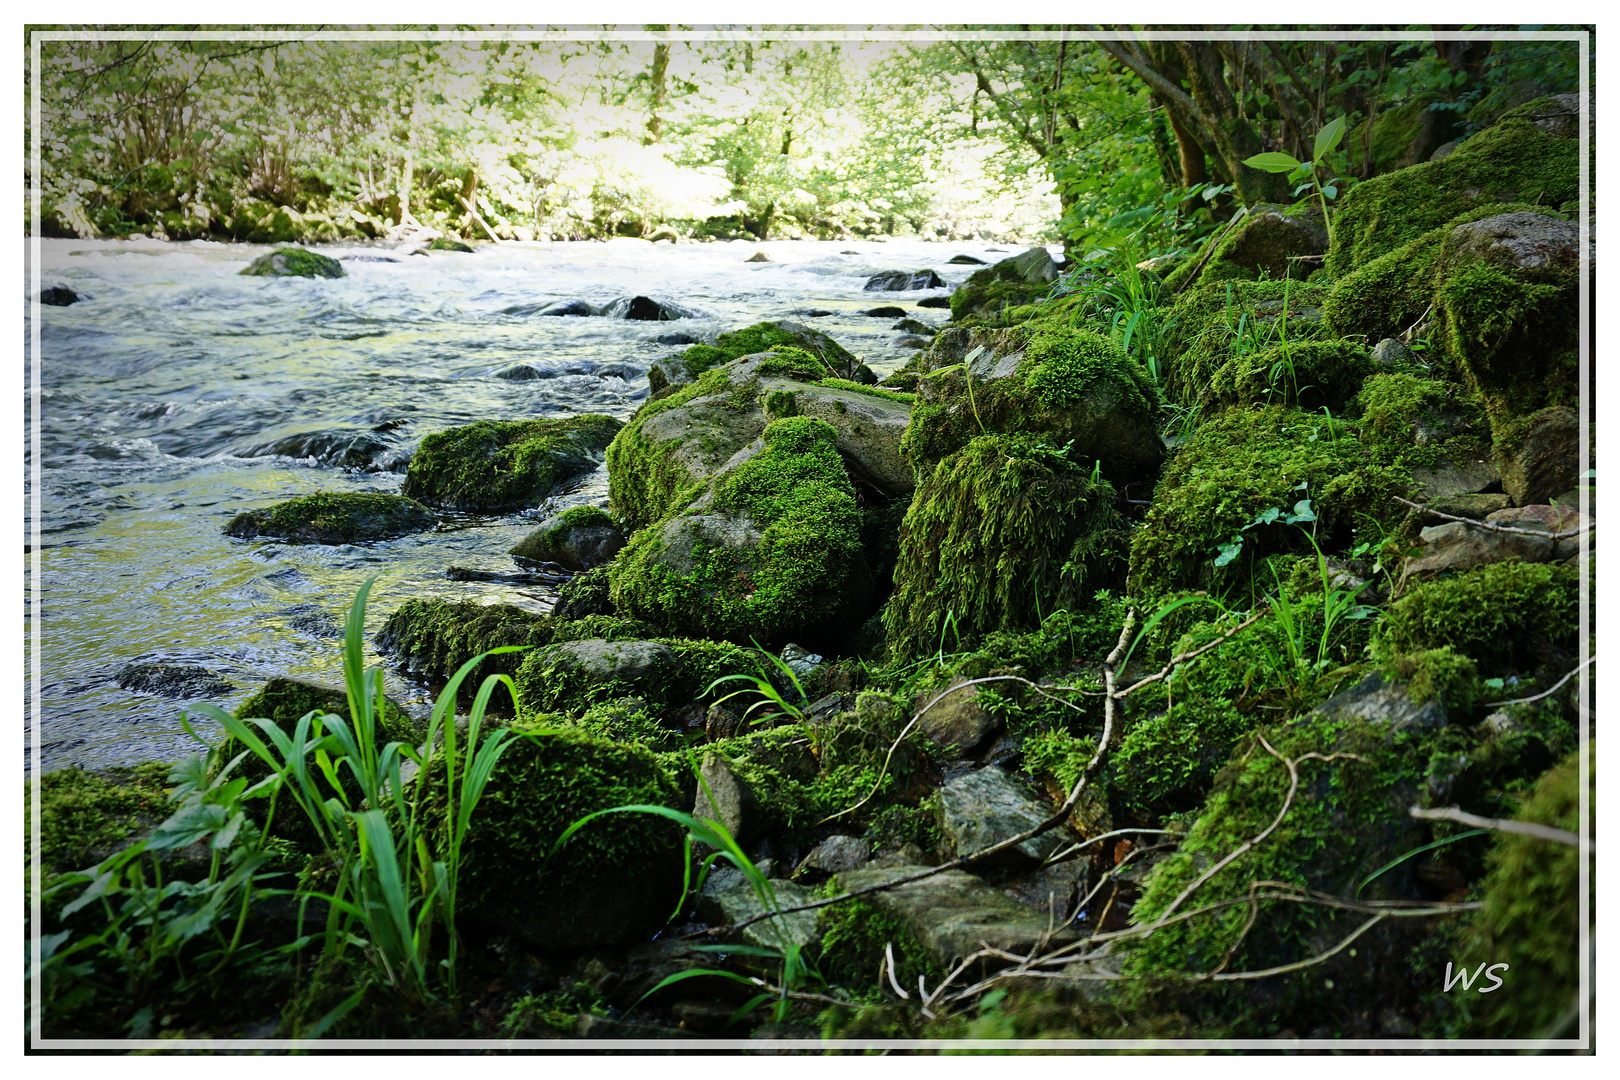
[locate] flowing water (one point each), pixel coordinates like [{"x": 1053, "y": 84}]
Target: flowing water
[{"x": 177, "y": 394}]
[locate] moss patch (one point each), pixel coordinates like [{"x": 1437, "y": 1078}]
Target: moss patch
[
  {"x": 617, "y": 879},
  {"x": 1499, "y": 615},
  {"x": 334, "y": 518},
  {"x": 997, "y": 534},
  {"x": 798, "y": 574},
  {"x": 494, "y": 465},
  {"x": 86, "y": 816},
  {"x": 1306, "y": 374}
]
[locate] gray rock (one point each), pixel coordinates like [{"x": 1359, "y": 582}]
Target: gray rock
[
  {"x": 186, "y": 681},
  {"x": 1271, "y": 235},
  {"x": 1458, "y": 546},
  {"x": 1548, "y": 518},
  {"x": 725, "y": 797},
  {"x": 642, "y": 667},
  {"x": 732, "y": 898},
  {"x": 1447, "y": 478},
  {"x": 965, "y": 260},
  {"x": 1377, "y": 700},
  {"x": 1035, "y": 265},
  {"x": 520, "y": 373},
  {"x": 954, "y": 914},
  {"x": 563, "y": 308},
  {"x": 58, "y": 296},
  {"x": 802, "y": 662},
  {"x": 888, "y": 312},
  {"x": 720, "y": 723},
  {"x": 576, "y": 544},
  {"x": 1473, "y": 507},
  {"x": 293, "y": 262},
  {"x": 1526, "y": 244},
  {"x": 958, "y": 722},
  {"x": 986, "y": 806},
  {"x": 1560, "y": 115},
  {"x": 934, "y": 302},
  {"x": 837, "y": 854},
  {"x": 904, "y": 281},
  {"x": 869, "y": 426},
  {"x": 758, "y": 257},
  {"x": 1389, "y": 352},
  {"x": 911, "y": 341},
  {"x": 912, "y": 326},
  {"x": 1546, "y": 458},
  {"x": 1052, "y": 890},
  {"x": 1445, "y": 150},
  {"x": 334, "y": 448}
]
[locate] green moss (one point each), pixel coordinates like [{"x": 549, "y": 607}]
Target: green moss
[
  {"x": 1307, "y": 374},
  {"x": 870, "y": 391},
  {"x": 293, "y": 262},
  {"x": 334, "y": 518},
  {"x": 1513, "y": 160},
  {"x": 627, "y": 720},
  {"x": 987, "y": 298},
  {"x": 445, "y": 243},
  {"x": 798, "y": 575},
  {"x": 1265, "y": 243},
  {"x": 1393, "y": 135},
  {"x": 1076, "y": 386},
  {"x": 1442, "y": 674},
  {"x": 617, "y": 879},
  {"x": 1237, "y": 466},
  {"x": 1211, "y": 324},
  {"x": 1530, "y": 920},
  {"x": 644, "y": 481},
  {"x": 553, "y": 682},
  {"x": 1348, "y": 817},
  {"x": 700, "y": 358},
  {"x": 494, "y": 465},
  {"x": 1165, "y": 763},
  {"x": 998, "y": 534},
  {"x": 856, "y": 937},
  {"x": 86, "y": 816},
  {"x": 1497, "y": 615}
]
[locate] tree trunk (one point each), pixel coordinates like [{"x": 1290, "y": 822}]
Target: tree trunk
[
  {"x": 469, "y": 191},
  {"x": 659, "y": 79}
]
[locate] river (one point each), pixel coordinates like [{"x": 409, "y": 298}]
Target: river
[{"x": 166, "y": 394}]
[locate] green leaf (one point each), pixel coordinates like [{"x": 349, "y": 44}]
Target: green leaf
[
  {"x": 1274, "y": 162},
  {"x": 1327, "y": 140}
]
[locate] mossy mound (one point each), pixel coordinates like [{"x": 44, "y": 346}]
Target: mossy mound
[
  {"x": 1210, "y": 325},
  {"x": 1000, "y": 532},
  {"x": 1271, "y": 241},
  {"x": 499, "y": 465},
  {"x": 334, "y": 518},
  {"x": 1508, "y": 617},
  {"x": 1514, "y": 160},
  {"x": 286, "y": 701},
  {"x": 570, "y": 677},
  {"x": 826, "y": 356},
  {"x": 771, "y": 550},
  {"x": 1307, "y": 374},
  {"x": 985, "y": 300},
  {"x": 293, "y": 262},
  {"x": 614, "y": 883},
  {"x": 1237, "y": 467},
  {"x": 1406, "y": 418},
  {"x": 86, "y": 816},
  {"x": 433, "y": 638},
  {"x": 1531, "y": 916},
  {"x": 1076, "y": 387}
]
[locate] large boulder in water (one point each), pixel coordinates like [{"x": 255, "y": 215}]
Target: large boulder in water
[
  {"x": 58, "y": 296},
  {"x": 904, "y": 281},
  {"x": 769, "y": 550},
  {"x": 645, "y": 309},
  {"x": 332, "y": 447},
  {"x": 293, "y": 262},
  {"x": 497, "y": 465},
  {"x": 334, "y": 518}
]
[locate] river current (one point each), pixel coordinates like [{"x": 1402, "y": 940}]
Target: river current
[{"x": 177, "y": 394}]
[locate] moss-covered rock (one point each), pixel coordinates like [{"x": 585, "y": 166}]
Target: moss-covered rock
[
  {"x": 617, "y": 879},
  {"x": 86, "y": 816},
  {"x": 761, "y": 337},
  {"x": 1271, "y": 241},
  {"x": 1404, "y": 136},
  {"x": 1508, "y": 617},
  {"x": 1531, "y": 916},
  {"x": 1240, "y": 465},
  {"x": 1407, "y": 418},
  {"x": 498, "y": 465},
  {"x": 1012, "y": 282},
  {"x": 572, "y": 675},
  {"x": 1515, "y": 160},
  {"x": 769, "y": 550},
  {"x": 1075, "y": 387},
  {"x": 1307, "y": 374},
  {"x": 1209, "y": 325},
  {"x": 446, "y": 243},
  {"x": 578, "y": 538},
  {"x": 293, "y": 262},
  {"x": 334, "y": 518},
  {"x": 1000, "y": 532}
]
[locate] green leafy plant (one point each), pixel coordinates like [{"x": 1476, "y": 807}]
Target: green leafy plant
[
  {"x": 1308, "y": 173},
  {"x": 1309, "y": 651},
  {"x": 1301, "y": 514},
  {"x": 764, "y": 685},
  {"x": 391, "y": 889}
]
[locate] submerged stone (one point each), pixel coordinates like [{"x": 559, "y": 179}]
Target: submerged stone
[
  {"x": 58, "y": 296},
  {"x": 446, "y": 243},
  {"x": 173, "y": 680},
  {"x": 334, "y": 518},
  {"x": 645, "y": 309},
  {"x": 293, "y": 262},
  {"x": 904, "y": 281}
]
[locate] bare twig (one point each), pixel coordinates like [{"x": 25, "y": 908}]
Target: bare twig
[
  {"x": 1176, "y": 661},
  {"x": 1406, "y": 337},
  {"x": 1072, "y": 848},
  {"x": 1493, "y": 527},
  {"x": 1549, "y": 692},
  {"x": 1523, "y": 828},
  {"x": 888, "y": 954}
]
